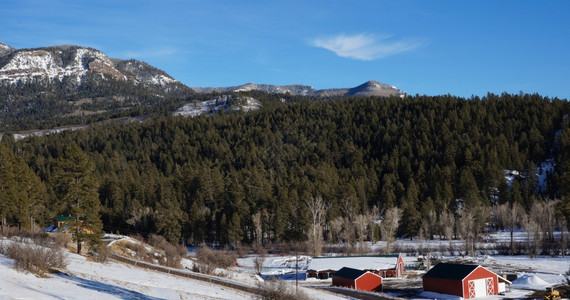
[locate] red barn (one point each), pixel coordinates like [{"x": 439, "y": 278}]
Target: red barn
[
  {"x": 383, "y": 265},
  {"x": 357, "y": 279},
  {"x": 467, "y": 281}
]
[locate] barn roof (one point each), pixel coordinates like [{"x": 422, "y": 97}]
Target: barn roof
[
  {"x": 63, "y": 218},
  {"x": 355, "y": 262},
  {"x": 450, "y": 271},
  {"x": 349, "y": 273}
]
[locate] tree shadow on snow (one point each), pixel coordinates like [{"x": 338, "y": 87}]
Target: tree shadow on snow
[{"x": 114, "y": 290}]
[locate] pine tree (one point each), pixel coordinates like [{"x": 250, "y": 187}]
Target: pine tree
[
  {"x": 8, "y": 187},
  {"x": 77, "y": 194}
]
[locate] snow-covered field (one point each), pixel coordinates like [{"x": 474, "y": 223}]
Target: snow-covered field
[{"x": 85, "y": 279}]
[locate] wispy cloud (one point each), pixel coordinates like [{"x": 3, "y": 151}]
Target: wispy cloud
[{"x": 366, "y": 46}]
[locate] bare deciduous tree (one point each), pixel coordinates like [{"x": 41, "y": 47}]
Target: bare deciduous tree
[
  {"x": 318, "y": 209},
  {"x": 361, "y": 223},
  {"x": 373, "y": 219},
  {"x": 389, "y": 225},
  {"x": 336, "y": 229},
  {"x": 446, "y": 223},
  {"x": 256, "y": 220},
  {"x": 510, "y": 216},
  {"x": 467, "y": 230}
]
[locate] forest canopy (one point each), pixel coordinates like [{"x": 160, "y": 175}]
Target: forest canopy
[{"x": 253, "y": 177}]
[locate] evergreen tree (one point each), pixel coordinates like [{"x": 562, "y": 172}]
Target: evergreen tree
[{"x": 76, "y": 189}]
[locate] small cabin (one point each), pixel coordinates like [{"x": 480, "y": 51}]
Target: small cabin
[{"x": 65, "y": 224}]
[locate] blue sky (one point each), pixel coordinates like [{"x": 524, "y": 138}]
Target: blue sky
[{"x": 462, "y": 48}]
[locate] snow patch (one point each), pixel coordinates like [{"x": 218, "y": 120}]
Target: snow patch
[
  {"x": 543, "y": 170},
  {"x": 41, "y": 64},
  {"x": 531, "y": 282},
  {"x": 222, "y": 103},
  {"x": 510, "y": 176}
]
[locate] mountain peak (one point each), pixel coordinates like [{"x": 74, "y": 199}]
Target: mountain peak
[
  {"x": 5, "y": 49},
  {"x": 56, "y": 63},
  {"x": 375, "y": 88},
  {"x": 73, "y": 64}
]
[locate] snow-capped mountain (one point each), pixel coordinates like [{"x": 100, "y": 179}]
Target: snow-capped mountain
[
  {"x": 62, "y": 86},
  {"x": 73, "y": 65},
  {"x": 370, "y": 88},
  {"x": 5, "y": 49}
]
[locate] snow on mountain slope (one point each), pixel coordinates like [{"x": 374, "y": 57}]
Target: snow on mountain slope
[
  {"x": 48, "y": 64},
  {"x": 370, "y": 88},
  {"x": 5, "y": 49},
  {"x": 221, "y": 103},
  {"x": 141, "y": 72},
  {"x": 73, "y": 65}
]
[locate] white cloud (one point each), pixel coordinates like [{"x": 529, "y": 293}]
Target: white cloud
[{"x": 365, "y": 46}]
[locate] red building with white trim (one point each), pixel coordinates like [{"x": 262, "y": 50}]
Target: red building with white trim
[
  {"x": 357, "y": 279},
  {"x": 467, "y": 281}
]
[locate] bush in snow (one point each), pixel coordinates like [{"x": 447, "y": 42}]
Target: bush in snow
[
  {"x": 207, "y": 260},
  {"x": 100, "y": 253},
  {"x": 36, "y": 258},
  {"x": 279, "y": 290},
  {"x": 259, "y": 259},
  {"x": 172, "y": 254}
]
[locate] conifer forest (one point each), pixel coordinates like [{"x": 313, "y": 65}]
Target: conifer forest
[{"x": 308, "y": 169}]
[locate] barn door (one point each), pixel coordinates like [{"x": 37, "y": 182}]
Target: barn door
[
  {"x": 477, "y": 288},
  {"x": 490, "y": 286},
  {"x": 471, "y": 285}
]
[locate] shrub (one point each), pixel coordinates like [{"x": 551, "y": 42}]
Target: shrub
[
  {"x": 259, "y": 259},
  {"x": 279, "y": 290},
  {"x": 38, "y": 259},
  {"x": 61, "y": 240},
  {"x": 100, "y": 253},
  {"x": 172, "y": 254},
  {"x": 207, "y": 260}
]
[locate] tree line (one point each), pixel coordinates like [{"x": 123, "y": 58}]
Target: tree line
[{"x": 319, "y": 170}]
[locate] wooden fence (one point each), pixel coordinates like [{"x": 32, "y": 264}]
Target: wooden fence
[{"x": 192, "y": 275}]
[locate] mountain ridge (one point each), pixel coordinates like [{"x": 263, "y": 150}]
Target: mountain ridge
[
  {"x": 73, "y": 64},
  {"x": 49, "y": 87},
  {"x": 369, "y": 88}
]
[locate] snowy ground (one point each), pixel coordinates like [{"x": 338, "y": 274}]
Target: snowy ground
[
  {"x": 89, "y": 280},
  {"x": 85, "y": 279}
]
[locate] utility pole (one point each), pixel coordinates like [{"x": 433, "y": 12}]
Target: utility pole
[{"x": 296, "y": 271}]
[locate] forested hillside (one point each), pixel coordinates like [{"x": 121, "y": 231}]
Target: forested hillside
[{"x": 316, "y": 169}]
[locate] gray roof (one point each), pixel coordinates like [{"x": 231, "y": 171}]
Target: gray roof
[
  {"x": 450, "y": 271},
  {"x": 349, "y": 273}
]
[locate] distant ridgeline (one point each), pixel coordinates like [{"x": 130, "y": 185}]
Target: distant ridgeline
[
  {"x": 49, "y": 87},
  {"x": 431, "y": 162}
]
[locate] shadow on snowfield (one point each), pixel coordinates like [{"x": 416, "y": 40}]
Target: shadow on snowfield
[{"x": 114, "y": 290}]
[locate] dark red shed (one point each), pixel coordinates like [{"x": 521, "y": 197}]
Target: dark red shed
[
  {"x": 467, "y": 281},
  {"x": 357, "y": 279}
]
